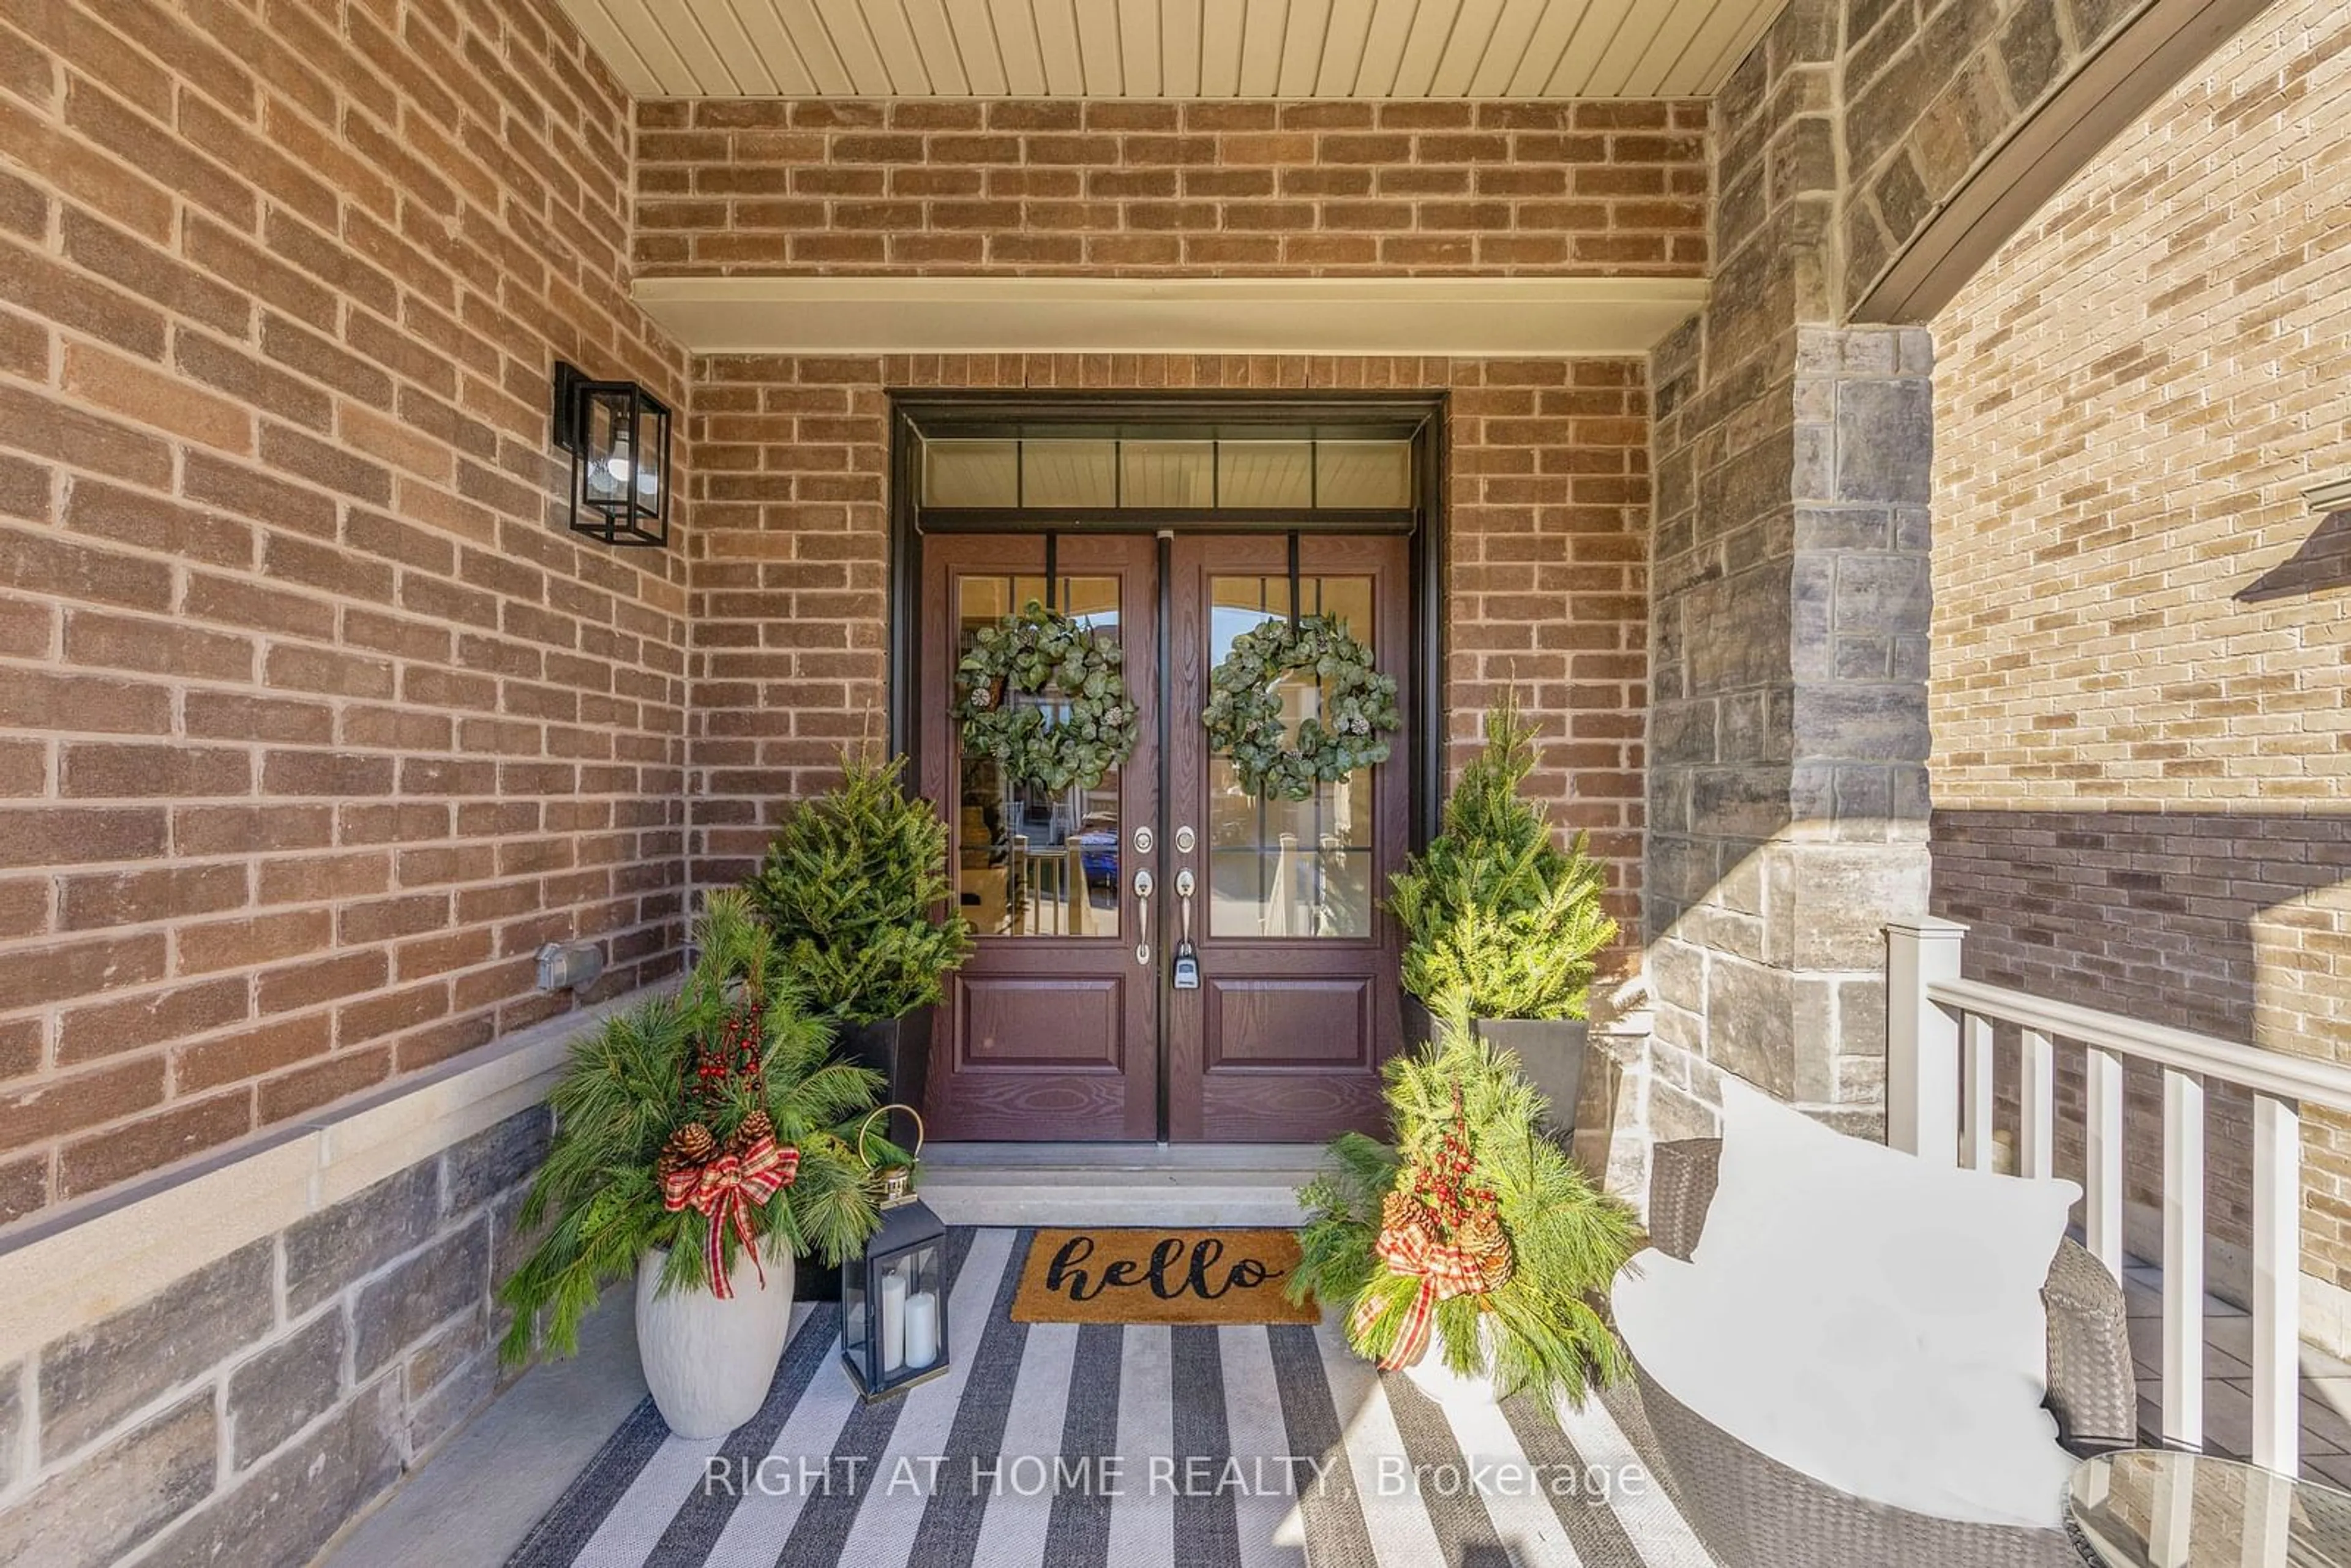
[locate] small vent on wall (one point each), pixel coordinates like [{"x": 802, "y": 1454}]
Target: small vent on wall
[{"x": 2334, "y": 496}]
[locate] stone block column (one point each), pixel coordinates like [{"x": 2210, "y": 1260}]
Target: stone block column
[{"x": 1787, "y": 742}]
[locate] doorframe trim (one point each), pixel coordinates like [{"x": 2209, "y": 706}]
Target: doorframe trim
[{"x": 915, "y": 411}]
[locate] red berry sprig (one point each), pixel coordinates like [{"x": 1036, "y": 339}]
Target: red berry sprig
[
  {"x": 733, "y": 1055},
  {"x": 1441, "y": 1180}
]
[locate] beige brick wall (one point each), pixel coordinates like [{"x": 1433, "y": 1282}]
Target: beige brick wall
[
  {"x": 1246, "y": 187},
  {"x": 1549, "y": 539},
  {"x": 313, "y": 722},
  {"x": 2142, "y": 656}
]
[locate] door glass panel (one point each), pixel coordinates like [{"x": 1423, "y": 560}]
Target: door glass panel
[
  {"x": 1167, "y": 472},
  {"x": 1265, "y": 474},
  {"x": 1068, "y": 474},
  {"x": 1026, "y": 864},
  {"x": 971, "y": 474},
  {"x": 1362, "y": 473},
  {"x": 1289, "y": 868}
]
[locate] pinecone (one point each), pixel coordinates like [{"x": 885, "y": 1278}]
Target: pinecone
[
  {"x": 1481, "y": 1238},
  {"x": 691, "y": 1144},
  {"x": 1398, "y": 1212},
  {"x": 759, "y": 1125}
]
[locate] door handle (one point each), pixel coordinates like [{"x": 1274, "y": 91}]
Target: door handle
[
  {"x": 1142, "y": 886},
  {"x": 1186, "y": 975}
]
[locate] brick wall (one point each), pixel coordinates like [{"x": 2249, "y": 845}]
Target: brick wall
[
  {"x": 247, "y": 1412},
  {"x": 313, "y": 722},
  {"x": 2141, "y": 657},
  {"x": 1547, "y": 534},
  {"x": 1015, "y": 186}
]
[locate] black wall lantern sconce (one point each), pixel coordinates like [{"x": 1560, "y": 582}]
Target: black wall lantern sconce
[{"x": 618, "y": 435}]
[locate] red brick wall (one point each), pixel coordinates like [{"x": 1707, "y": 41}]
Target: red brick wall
[
  {"x": 1548, "y": 514},
  {"x": 1249, "y": 187},
  {"x": 313, "y": 722}
]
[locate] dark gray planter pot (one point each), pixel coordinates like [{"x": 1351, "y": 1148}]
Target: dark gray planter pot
[
  {"x": 900, "y": 1049},
  {"x": 1419, "y": 1026},
  {"x": 1551, "y": 1053}
]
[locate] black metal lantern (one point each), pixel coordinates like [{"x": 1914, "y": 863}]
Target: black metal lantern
[
  {"x": 618, "y": 435},
  {"x": 894, "y": 1300}
]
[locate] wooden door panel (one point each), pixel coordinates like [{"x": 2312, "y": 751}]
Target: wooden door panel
[
  {"x": 1312, "y": 1021},
  {"x": 1049, "y": 1033},
  {"x": 1284, "y": 1039},
  {"x": 1063, "y": 1023}
]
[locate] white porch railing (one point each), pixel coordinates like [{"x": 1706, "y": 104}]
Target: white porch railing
[{"x": 1939, "y": 1097}]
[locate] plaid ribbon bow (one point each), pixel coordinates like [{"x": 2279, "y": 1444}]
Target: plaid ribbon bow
[
  {"x": 1478, "y": 1260},
  {"x": 724, "y": 1188}
]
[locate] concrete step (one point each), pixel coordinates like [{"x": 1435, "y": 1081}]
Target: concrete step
[{"x": 1144, "y": 1184}]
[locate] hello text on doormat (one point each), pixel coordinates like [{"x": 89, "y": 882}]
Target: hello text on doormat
[{"x": 1144, "y": 1276}]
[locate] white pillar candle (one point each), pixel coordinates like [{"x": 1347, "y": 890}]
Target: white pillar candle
[
  {"x": 893, "y": 1320},
  {"x": 921, "y": 1329}
]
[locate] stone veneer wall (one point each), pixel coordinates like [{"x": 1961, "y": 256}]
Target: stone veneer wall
[
  {"x": 249, "y": 1410},
  {"x": 2142, "y": 652},
  {"x": 1787, "y": 786},
  {"x": 313, "y": 723},
  {"x": 1548, "y": 520},
  {"x": 1931, "y": 89}
]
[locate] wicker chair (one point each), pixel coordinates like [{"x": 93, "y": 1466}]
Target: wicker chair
[{"x": 1755, "y": 1512}]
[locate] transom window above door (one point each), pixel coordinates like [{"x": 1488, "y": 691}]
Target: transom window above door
[
  {"x": 1356, "y": 465},
  {"x": 1160, "y": 474}
]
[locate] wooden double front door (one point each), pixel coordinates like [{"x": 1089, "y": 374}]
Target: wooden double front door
[{"x": 1067, "y": 1022}]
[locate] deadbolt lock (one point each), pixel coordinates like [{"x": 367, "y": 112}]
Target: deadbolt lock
[{"x": 1184, "y": 839}]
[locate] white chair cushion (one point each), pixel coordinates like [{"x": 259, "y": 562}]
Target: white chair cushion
[
  {"x": 1865, "y": 1318},
  {"x": 1802, "y": 1212},
  {"x": 1851, "y": 1396}
]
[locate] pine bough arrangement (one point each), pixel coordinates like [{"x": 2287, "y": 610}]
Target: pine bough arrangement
[
  {"x": 661, "y": 1117},
  {"x": 1472, "y": 1229}
]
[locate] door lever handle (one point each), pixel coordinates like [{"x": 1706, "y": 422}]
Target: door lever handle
[{"x": 1142, "y": 886}]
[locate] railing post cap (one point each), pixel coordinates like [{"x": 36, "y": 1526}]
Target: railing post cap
[{"x": 1928, "y": 929}]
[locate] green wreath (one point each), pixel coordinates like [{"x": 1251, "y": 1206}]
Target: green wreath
[
  {"x": 1044, "y": 653},
  {"x": 1244, "y": 717}
]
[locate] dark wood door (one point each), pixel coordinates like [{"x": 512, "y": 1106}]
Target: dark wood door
[
  {"x": 1065, "y": 1024},
  {"x": 1051, "y": 1031},
  {"x": 1297, "y": 1005}
]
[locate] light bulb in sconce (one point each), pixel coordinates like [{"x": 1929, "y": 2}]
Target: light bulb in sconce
[{"x": 618, "y": 435}]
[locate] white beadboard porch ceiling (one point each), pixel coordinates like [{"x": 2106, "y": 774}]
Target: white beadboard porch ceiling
[{"x": 1172, "y": 48}]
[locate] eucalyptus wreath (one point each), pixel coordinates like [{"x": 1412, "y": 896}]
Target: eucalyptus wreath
[
  {"x": 1044, "y": 653},
  {"x": 1244, "y": 718}
]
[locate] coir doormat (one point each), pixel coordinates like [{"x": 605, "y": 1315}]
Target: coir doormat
[{"x": 1142, "y": 1276}]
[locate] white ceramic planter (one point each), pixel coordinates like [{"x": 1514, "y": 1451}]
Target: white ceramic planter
[
  {"x": 709, "y": 1362},
  {"x": 1446, "y": 1386}
]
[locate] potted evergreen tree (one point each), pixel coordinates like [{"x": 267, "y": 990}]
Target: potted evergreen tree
[
  {"x": 1469, "y": 1251},
  {"x": 702, "y": 1142},
  {"x": 855, "y": 888},
  {"x": 1503, "y": 927}
]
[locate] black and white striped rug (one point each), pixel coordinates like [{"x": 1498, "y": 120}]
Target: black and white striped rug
[{"x": 1084, "y": 1446}]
